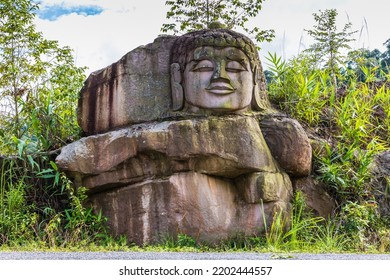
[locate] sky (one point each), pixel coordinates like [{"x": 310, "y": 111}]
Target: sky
[{"x": 102, "y": 31}]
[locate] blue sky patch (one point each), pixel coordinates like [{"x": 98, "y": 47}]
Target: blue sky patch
[{"x": 55, "y": 11}]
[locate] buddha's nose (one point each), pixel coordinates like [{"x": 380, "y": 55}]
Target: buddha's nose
[{"x": 220, "y": 71}]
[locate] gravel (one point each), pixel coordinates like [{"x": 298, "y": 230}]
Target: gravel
[{"x": 183, "y": 256}]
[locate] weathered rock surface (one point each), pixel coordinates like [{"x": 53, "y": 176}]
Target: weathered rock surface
[
  {"x": 205, "y": 177},
  {"x": 202, "y": 206},
  {"x": 288, "y": 143},
  {"x": 317, "y": 199},
  {"x": 264, "y": 187},
  {"x": 380, "y": 171},
  {"x": 134, "y": 89}
]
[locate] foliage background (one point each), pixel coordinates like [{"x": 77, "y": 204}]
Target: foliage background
[{"x": 39, "y": 85}]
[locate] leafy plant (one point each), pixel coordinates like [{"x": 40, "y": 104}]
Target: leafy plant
[
  {"x": 24, "y": 219},
  {"x": 15, "y": 221},
  {"x": 38, "y": 83},
  {"x": 183, "y": 240},
  {"x": 297, "y": 89},
  {"x": 358, "y": 222},
  {"x": 81, "y": 224},
  {"x": 329, "y": 42}
]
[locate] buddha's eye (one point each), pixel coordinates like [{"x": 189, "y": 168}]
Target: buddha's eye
[
  {"x": 203, "y": 66},
  {"x": 235, "y": 67}
]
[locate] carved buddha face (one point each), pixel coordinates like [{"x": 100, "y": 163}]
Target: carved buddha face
[
  {"x": 219, "y": 79},
  {"x": 216, "y": 70}
]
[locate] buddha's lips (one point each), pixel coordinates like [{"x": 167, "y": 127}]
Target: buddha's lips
[{"x": 220, "y": 88}]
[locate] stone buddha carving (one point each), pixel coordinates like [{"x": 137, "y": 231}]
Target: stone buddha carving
[
  {"x": 178, "y": 171},
  {"x": 216, "y": 70}
]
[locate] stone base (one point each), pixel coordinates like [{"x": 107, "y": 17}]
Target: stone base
[
  {"x": 207, "y": 208},
  {"x": 203, "y": 177}
]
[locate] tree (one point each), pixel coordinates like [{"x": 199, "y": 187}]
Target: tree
[
  {"x": 39, "y": 85},
  {"x": 39, "y": 82},
  {"x": 385, "y": 57},
  {"x": 190, "y": 15},
  {"x": 365, "y": 63},
  {"x": 329, "y": 42}
]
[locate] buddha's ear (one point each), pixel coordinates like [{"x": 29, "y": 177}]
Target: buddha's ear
[
  {"x": 258, "y": 102},
  {"x": 176, "y": 88}
]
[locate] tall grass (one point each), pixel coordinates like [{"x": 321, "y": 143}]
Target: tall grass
[
  {"x": 298, "y": 89},
  {"x": 293, "y": 231},
  {"x": 47, "y": 222},
  {"x": 354, "y": 125},
  {"x": 16, "y": 221}
]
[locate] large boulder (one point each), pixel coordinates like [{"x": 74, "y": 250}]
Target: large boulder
[
  {"x": 288, "y": 143},
  {"x": 210, "y": 178}
]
